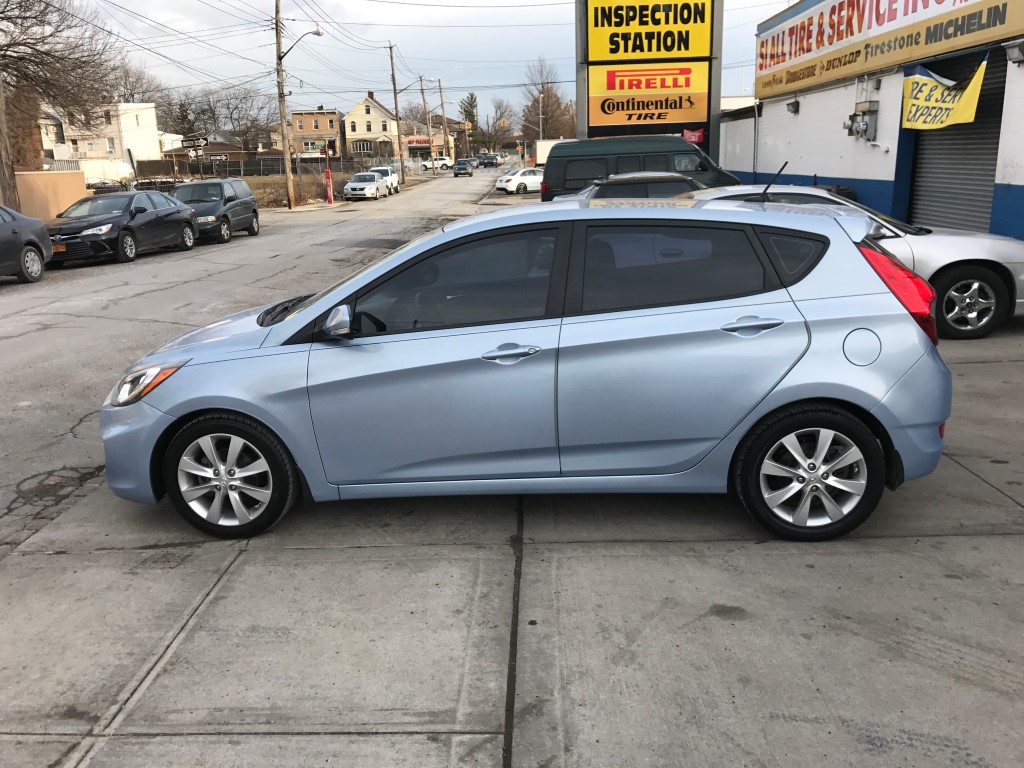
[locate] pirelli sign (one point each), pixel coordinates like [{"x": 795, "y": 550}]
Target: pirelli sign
[{"x": 648, "y": 63}]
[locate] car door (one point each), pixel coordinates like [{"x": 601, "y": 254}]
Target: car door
[
  {"x": 148, "y": 227},
  {"x": 450, "y": 373},
  {"x": 533, "y": 179},
  {"x": 10, "y": 242},
  {"x": 167, "y": 226},
  {"x": 673, "y": 333},
  {"x": 242, "y": 204}
]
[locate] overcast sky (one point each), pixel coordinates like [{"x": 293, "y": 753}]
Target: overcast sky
[{"x": 470, "y": 45}]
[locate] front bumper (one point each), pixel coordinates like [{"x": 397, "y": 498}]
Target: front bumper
[
  {"x": 88, "y": 247},
  {"x": 130, "y": 434},
  {"x": 348, "y": 194}
]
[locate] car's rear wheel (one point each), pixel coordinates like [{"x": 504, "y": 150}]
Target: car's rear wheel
[
  {"x": 810, "y": 473},
  {"x": 972, "y": 301},
  {"x": 520, "y": 188},
  {"x": 127, "y": 248},
  {"x": 224, "y": 231},
  {"x": 229, "y": 475},
  {"x": 254, "y": 229},
  {"x": 30, "y": 265},
  {"x": 188, "y": 238}
]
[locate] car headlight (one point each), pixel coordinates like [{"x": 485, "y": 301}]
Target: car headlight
[
  {"x": 205, "y": 219},
  {"x": 97, "y": 230},
  {"x": 138, "y": 383}
]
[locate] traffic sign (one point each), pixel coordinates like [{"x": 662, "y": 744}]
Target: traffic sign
[
  {"x": 202, "y": 141},
  {"x": 194, "y": 153},
  {"x": 218, "y": 157}
]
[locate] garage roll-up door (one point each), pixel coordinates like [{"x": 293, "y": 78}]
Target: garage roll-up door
[{"x": 955, "y": 167}]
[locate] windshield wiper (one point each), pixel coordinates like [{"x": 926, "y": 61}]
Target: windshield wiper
[{"x": 278, "y": 311}]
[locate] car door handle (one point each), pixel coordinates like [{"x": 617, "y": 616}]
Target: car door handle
[
  {"x": 509, "y": 353},
  {"x": 750, "y": 325}
]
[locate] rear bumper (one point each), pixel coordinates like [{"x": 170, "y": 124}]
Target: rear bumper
[{"x": 914, "y": 409}]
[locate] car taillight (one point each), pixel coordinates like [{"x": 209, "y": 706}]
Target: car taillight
[
  {"x": 912, "y": 290},
  {"x": 544, "y": 188}
]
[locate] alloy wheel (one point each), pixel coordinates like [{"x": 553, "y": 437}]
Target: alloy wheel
[
  {"x": 813, "y": 477},
  {"x": 129, "y": 247},
  {"x": 224, "y": 479},
  {"x": 969, "y": 305},
  {"x": 187, "y": 236}
]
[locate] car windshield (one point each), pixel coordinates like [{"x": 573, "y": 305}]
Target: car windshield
[
  {"x": 381, "y": 171},
  {"x": 198, "y": 193},
  {"x": 363, "y": 177},
  {"x": 95, "y": 206}
]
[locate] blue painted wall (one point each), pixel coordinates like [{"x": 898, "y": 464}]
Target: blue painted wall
[{"x": 1008, "y": 210}]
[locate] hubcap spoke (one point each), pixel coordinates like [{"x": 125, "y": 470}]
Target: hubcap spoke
[
  {"x": 206, "y": 444},
  {"x": 856, "y": 487},
  {"x": 215, "y": 512},
  {"x": 193, "y": 493},
  {"x": 777, "y": 470},
  {"x": 793, "y": 446},
  {"x": 852, "y": 455},
  {"x": 833, "y": 510},
  {"x": 257, "y": 467},
  {"x": 777, "y": 497},
  {"x": 234, "y": 448},
  {"x": 193, "y": 467},
  {"x": 803, "y": 510},
  {"x": 824, "y": 443},
  {"x": 260, "y": 494},
  {"x": 241, "y": 513}
]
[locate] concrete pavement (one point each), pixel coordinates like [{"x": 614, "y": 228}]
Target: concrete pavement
[{"x": 577, "y": 631}]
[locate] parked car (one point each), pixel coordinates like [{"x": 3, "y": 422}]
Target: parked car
[
  {"x": 489, "y": 161},
  {"x": 520, "y": 181},
  {"x": 597, "y": 347},
  {"x": 444, "y": 163},
  {"x": 24, "y": 246},
  {"x": 643, "y": 184},
  {"x": 979, "y": 278},
  {"x": 366, "y": 185},
  {"x": 390, "y": 176},
  {"x": 573, "y": 165},
  {"x": 463, "y": 168},
  {"x": 474, "y": 161},
  {"x": 222, "y": 207},
  {"x": 121, "y": 225}
]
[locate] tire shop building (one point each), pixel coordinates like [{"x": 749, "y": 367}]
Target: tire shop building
[{"x": 830, "y": 79}]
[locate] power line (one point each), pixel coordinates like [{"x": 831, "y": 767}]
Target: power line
[
  {"x": 473, "y": 7},
  {"x": 448, "y": 26}
]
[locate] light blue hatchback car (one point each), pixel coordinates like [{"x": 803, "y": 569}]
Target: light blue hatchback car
[{"x": 605, "y": 346}]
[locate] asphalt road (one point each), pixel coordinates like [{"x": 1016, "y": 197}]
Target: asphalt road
[{"x": 525, "y": 631}]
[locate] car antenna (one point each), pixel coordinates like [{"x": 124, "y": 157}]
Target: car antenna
[{"x": 764, "y": 193}]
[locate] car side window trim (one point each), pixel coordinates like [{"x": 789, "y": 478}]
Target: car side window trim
[
  {"x": 556, "y": 286},
  {"x": 574, "y": 281}
]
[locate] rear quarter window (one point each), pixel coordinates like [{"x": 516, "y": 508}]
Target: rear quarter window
[{"x": 793, "y": 254}]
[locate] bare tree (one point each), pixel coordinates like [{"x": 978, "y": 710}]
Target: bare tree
[
  {"x": 496, "y": 129},
  {"x": 539, "y": 73},
  {"x": 414, "y": 112},
  {"x": 56, "y": 49},
  {"x": 248, "y": 114},
  {"x": 134, "y": 85},
  {"x": 544, "y": 97}
]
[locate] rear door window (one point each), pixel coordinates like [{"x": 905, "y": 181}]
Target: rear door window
[
  {"x": 631, "y": 267},
  {"x": 579, "y": 173},
  {"x": 628, "y": 164},
  {"x": 656, "y": 162}
]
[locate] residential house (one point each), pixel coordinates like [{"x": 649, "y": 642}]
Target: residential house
[
  {"x": 371, "y": 130},
  {"x": 314, "y": 131},
  {"x": 106, "y": 149}
]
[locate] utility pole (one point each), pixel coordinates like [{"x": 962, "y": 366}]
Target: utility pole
[
  {"x": 444, "y": 119},
  {"x": 540, "y": 113},
  {"x": 398, "y": 118},
  {"x": 285, "y": 140},
  {"x": 8, "y": 183},
  {"x": 426, "y": 115}
]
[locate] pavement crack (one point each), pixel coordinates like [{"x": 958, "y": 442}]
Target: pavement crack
[
  {"x": 991, "y": 485},
  {"x": 516, "y": 541}
]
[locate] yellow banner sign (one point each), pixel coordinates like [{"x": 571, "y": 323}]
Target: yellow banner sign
[
  {"x": 816, "y": 42},
  {"x": 627, "y": 94},
  {"x": 931, "y": 102},
  {"x": 627, "y": 30}
]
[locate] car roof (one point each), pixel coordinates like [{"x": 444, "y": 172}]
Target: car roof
[
  {"x": 131, "y": 193},
  {"x": 620, "y": 145},
  {"x": 756, "y": 189},
  {"x": 622, "y": 178},
  {"x": 207, "y": 181}
]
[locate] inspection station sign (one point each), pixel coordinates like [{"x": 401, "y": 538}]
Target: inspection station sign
[
  {"x": 648, "y": 64},
  {"x": 818, "y": 41}
]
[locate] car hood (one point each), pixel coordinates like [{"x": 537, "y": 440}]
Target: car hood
[
  {"x": 74, "y": 226},
  {"x": 235, "y": 333},
  {"x": 206, "y": 208}
]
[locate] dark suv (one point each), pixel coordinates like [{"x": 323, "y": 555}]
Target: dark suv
[
  {"x": 222, "y": 206},
  {"x": 643, "y": 184}
]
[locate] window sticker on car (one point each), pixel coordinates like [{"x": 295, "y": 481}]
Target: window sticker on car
[{"x": 640, "y": 203}]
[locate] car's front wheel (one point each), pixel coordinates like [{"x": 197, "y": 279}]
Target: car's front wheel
[
  {"x": 972, "y": 301},
  {"x": 810, "y": 473},
  {"x": 30, "y": 265},
  {"x": 229, "y": 475},
  {"x": 127, "y": 248},
  {"x": 188, "y": 238}
]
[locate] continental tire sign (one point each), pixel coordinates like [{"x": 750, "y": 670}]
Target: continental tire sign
[
  {"x": 630, "y": 94},
  {"x": 636, "y": 31},
  {"x": 818, "y": 41}
]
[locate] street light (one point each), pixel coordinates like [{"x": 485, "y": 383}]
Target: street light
[{"x": 285, "y": 127}]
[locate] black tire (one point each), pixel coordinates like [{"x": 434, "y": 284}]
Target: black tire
[
  {"x": 284, "y": 476},
  {"x": 187, "y": 241},
  {"x": 253, "y": 229},
  {"x": 990, "y": 288},
  {"x": 754, "y": 450},
  {"x": 127, "y": 248},
  {"x": 520, "y": 189},
  {"x": 224, "y": 231},
  {"x": 30, "y": 265},
  {"x": 444, "y": 166}
]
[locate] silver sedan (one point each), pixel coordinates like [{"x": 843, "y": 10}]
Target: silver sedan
[
  {"x": 371, "y": 185},
  {"x": 978, "y": 277}
]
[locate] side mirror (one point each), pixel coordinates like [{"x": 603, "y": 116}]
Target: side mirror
[
  {"x": 139, "y": 209},
  {"x": 230, "y": 199},
  {"x": 702, "y": 166},
  {"x": 339, "y": 322}
]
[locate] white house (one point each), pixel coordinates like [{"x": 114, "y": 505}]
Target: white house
[
  {"x": 102, "y": 150},
  {"x": 371, "y": 130}
]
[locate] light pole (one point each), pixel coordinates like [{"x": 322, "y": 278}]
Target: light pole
[{"x": 285, "y": 127}]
